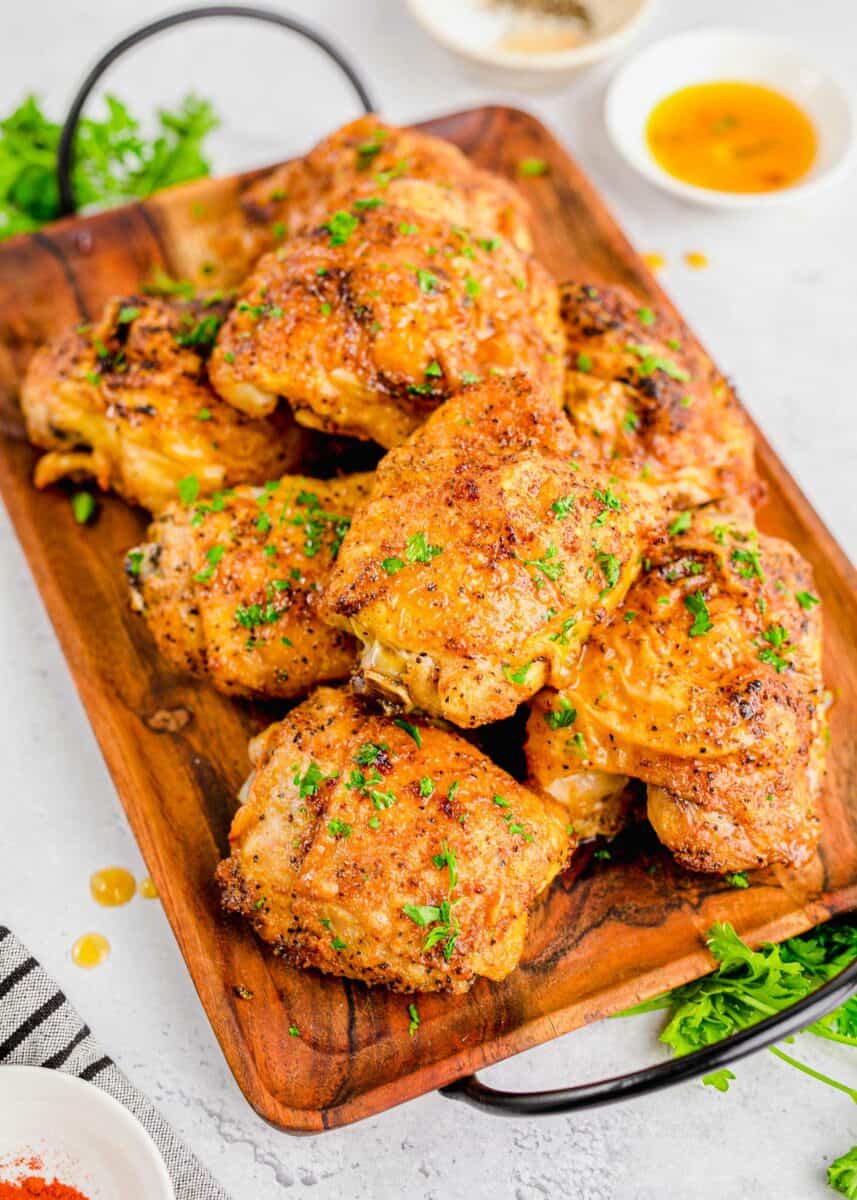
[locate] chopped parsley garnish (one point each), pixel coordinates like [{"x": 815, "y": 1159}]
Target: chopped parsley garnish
[
  {"x": 200, "y": 335},
  {"x": 392, "y": 565},
  {"x": 213, "y": 555},
  {"x": 188, "y": 489},
  {"x": 83, "y": 507},
  {"x": 561, "y": 636},
  {"x": 415, "y": 1020},
  {"x": 610, "y": 568},
  {"x": 127, "y": 314},
  {"x": 651, "y": 362},
  {"x": 472, "y": 286},
  {"x": 645, "y": 316},
  {"x": 419, "y": 549},
  {"x": 681, "y": 524},
  {"x": 562, "y": 717},
  {"x": 250, "y": 616},
  {"x": 611, "y": 503},
  {"x": 340, "y": 227},
  {"x": 294, "y": 1031},
  {"x": 549, "y": 564},
  {"x": 204, "y": 414},
  {"x": 518, "y": 674},
  {"x": 309, "y": 783},
  {"x": 369, "y": 753},
  {"x": 338, "y": 829},
  {"x": 427, "y": 281},
  {"x": 563, "y": 507},
  {"x": 410, "y": 729},
  {"x": 531, "y": 167},
  {"x": 584, "y": 362},
  {"x": 698, "y": 609},
  {"x": 338, "y": 944},
  {"x": 748, "y": 563},
  {"x": 134, "y": 562},
  {"x": 630, "y": 422},
  {"x": 426, "y": 787},
  {"x": 368, "y": 150},
  {"x": 447, "y": 859},
  {"x": 777, "y": 638},
  {"x": 738, "y": 879},
  {"x": 806, "y": 600}
]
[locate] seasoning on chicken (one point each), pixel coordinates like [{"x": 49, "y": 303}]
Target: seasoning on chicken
[
  {"x": 643, "y": 395},
  {"x": 482, "y": 558},
  {"x": 371, "y": 320},
  {"x": 361, "y": 161},
  {"x": 707, "y": 686},
  {"x": 230, "y": 586},
  {"x": 128, "y": 401},
  {"x": 387, "y": 851}
]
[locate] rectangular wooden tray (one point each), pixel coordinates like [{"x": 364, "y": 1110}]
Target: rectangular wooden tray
[{"x": 614, "y": 936}]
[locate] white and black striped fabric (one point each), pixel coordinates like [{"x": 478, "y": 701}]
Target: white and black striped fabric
[{"x": 39, "y": 1028}]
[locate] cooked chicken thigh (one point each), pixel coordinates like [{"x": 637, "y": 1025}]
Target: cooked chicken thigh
[
  {"x": 128, "y": 401},
  {"x": 363, "y": 160},
  {"x": 707, "y": 686},
  {"x": 390, "y": 852},
  {"x": 642, "y": 394},
  {"x": 482, "y": 558},
  {"x": 371, "y": 320},
  {"x": 230, "y": 587}
]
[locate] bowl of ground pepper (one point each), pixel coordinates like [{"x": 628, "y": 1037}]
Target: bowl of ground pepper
[{"x": 64, "y": 1139}]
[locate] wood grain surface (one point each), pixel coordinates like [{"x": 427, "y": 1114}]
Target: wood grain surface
[{"x": 608, "y": 935}]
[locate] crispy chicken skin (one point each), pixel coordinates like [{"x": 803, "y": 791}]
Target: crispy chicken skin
[
  {"x": 398, "y": 856},
  {"x": 642, "y": 394},
  {"x": 367, "y": 323},
  {"x": 230, "y": 587},
  {"x": 128, "y": 401},
  {"x": 482, "y": 558},
  {"x": 707, "y": 686},
  {"x": 362, "y": 160}
]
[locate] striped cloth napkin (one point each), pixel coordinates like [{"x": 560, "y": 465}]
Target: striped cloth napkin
[{"x": 39, "y": 1028}]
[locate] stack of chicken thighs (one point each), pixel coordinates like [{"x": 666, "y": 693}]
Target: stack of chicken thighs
[{"x": 563, "y": 519}]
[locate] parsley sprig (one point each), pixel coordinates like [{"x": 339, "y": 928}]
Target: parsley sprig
[
  {"x": 113, "y": 161},
  {"x": 749, "y": 985}
]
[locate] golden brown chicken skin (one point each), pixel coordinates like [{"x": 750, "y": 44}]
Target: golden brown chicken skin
[
  {"x": 707, "y": 686},
  {"x": 128, "y": 402},
  {"x": 365, "y": 159},
  {"x": 396, "y": 854},
  {"x": 370, "y": 321},
  {"x": 482, "y": 558},
  {"x": 230, "y": 586},
  {"x": 643, "y": 395}
]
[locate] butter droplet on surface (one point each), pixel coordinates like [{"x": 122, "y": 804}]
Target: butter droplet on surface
[
  {"x": 655, "y": 262},
  {"x": 90, "y": 950},
  {"x": 147, "y": 889},
  {"x": 696, "y": 259},
  {"x": 112, "y": 886}
]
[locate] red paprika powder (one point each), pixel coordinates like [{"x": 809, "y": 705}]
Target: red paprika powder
[{"x": 35, "y": 1185}]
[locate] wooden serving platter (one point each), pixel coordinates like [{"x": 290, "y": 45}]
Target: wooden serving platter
[{"x": 619, "y": 932}]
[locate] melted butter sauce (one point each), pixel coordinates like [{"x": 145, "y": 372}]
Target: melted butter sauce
[
  {"x": 90, "y": 950},
  {"x": 112, "y": 886},
  {"x": 732, "y": 137}
]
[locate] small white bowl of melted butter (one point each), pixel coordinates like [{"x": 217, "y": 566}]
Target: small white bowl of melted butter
[{"x": 532, "y": 43}]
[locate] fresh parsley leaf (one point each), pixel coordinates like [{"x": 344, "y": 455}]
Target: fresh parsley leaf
[
  {"x": 415, "y": 1020},
  {"x": 340, "y": 227},
  {"x": 681, "y": 524},
  {"x": 842, "y": 1174},
  {"x": 188, "y": 489},
  {"x": 698, "y": 609},
  {"x": 112, "y": 160},
  {"x": 531, "y": 167},
  {"x": 83, "y": 507},
  {"x": 409, "y": 729},
  {"x": 806, "y": 600},
  {"x": 719, "y": 1079},
  {"x": 418, "y": 549},
  {"x": 562, "y": 717}
]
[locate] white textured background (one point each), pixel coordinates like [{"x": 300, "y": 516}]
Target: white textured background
[{"x": 776, "y": 307}]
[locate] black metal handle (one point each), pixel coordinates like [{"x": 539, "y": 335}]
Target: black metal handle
[
  {"x": 66, "y": 144},
  {"x": 677, "y": 1070}
]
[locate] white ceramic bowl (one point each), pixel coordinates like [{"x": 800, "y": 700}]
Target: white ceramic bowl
[
  {"x": 712, "y": 55},
  {"x": 475, "y": 31},
  {"x": 83, "y": 1137}
]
